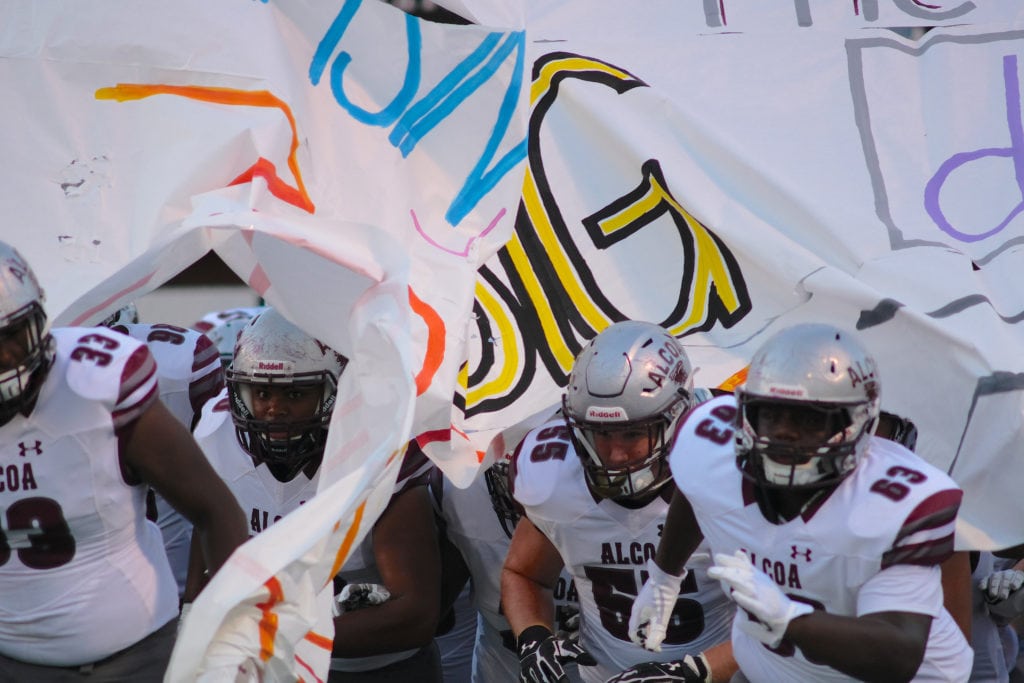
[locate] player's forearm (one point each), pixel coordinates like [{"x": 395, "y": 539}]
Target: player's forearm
[
  {"x": 865, "y": 648},
  {"x": 220, "y": 534},
  {"x": 680, "y": 536},
  {"x": 721, "y": 662},
  {"x": 525, "y": 602},
  {"x": 396, "y": 625}
]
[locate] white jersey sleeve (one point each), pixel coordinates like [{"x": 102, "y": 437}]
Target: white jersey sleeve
[
  {"x": 894, "y": 510},
  {"x": 605, "y": 546},
  {"x": 82, "y": 572},
  {"x": 188, "y": 366}
]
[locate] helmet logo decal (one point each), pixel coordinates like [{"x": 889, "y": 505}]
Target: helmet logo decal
[
  {"x": 270, "y": 365},
  {"x": 606, "y": 414},
  {"x": 792, "y": 392}
]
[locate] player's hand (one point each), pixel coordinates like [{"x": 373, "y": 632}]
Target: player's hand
[
  {"x": 542, "y": 654},
  {"x": 653, "y": 607},
  {"x": 359, "y": 595},
  {"x": 763, "y": 600},
  {"x": 998, "y": 585},
  {"x": 688, "y": 669}
]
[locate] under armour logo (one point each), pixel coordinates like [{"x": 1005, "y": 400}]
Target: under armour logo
[
  {"x": 806, "y": 553},
  {"x": 36, "y": 448}
]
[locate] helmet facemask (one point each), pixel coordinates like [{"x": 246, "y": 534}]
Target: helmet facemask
[
  {"x": 286, "y": 446},
  {"x": 505, "y": 507},
  {"x": 807, "y": 409},
  {"x": 26, "y": 328},
  {"x": 638, "y": 480},
  {"x": 802, "y": 463}
]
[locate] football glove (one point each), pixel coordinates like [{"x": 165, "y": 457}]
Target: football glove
[
  {"x": 763, "y": 600},
  {"x": 359, "y": 595},
  {"x": 542, "y": 654},
  {"x": 688, "y": 669},
  {"x": 998, "y": 585},
  {"x": 653, "y": 607}
]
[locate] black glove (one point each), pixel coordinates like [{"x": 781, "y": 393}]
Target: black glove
[
  {"x": 688, "y": 669},
  {"x": 542, "y": 653}
]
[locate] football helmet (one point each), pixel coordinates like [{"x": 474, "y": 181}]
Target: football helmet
[
  {"x": 632, "y": 377},
  {"x": 126, "y": 315},
  {"x": 26, "y": 346},
  {"x": 828, "y": 378},
  {"x": 273, "y": 352},
  {"x": 225, "y": 335}
]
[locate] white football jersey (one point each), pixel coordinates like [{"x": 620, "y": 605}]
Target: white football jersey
[
  {"x": 83, "y": 574},
  {"x": 190, "y": 374},
  {"x": 474, "y": 529},
  {"x": 263, "y": 498},
  {"x": 895, "y": 511},
  {"x": 605, "y": 547}
]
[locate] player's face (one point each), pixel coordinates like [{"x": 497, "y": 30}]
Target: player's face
[
  {"x": 796, "y": 425},
  {"x": 622, "y": 448},
  {"x": 14, "y": 346},
  {"x": 285, "y": 403}
]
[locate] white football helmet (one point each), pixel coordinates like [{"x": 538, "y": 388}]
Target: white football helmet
[
  {"x": 225, "y": 336},
  {"x": 826, "y": 372},
  {"x": 24, "y": 334},
  {"x": 632, "y": 376},
  {"x": 126, "y": 315},
  {"x": 273, "y": 351}
]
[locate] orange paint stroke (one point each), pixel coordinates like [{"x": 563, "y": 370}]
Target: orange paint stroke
[
  {"x": 268, "y": 623},
  {"x": 435, "y": 341},
  {"x": 301, "y": 662},
  {"x": 297, "y": 196},
  {"x": 320, "y": 640},
  {"x": 737, "y": 378},
  {"x": 346, "y": 544},
  {"x": 465, "y": 251},
  {"x": 111, "y": 299}
]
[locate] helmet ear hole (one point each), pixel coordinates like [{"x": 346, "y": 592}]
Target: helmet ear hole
[{"x": 632, "y": 377}]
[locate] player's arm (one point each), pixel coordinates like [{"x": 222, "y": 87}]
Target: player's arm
[
  {"x": 956, "y": 590},
  {"x": 528, "y": 578},
  {"x": 195, "y": 576},
  {"x": 884, "y": 646},
  {"x": 680, "y": 536},
  {"x": 405, "y": 548},
  {"x": 159, "y": 450}
]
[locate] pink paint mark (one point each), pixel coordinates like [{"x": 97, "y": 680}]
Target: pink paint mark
[
  {"x": 464, "y": 252},
  {"x": 259, "y": 281},
  {"x": 721, "y": 8},
  {"x": 99, "y": 307},
  {"x": 921, "y": 4}
]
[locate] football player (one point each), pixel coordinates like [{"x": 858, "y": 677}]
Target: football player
[
  {"x": 479, "y": 521},
  {"x": 829, "y": 538},
  {"x": 265, "y": 435},
  {"x": 189, "y": 374},
  {"x": 594, "y": 486},
  {"x": 88, "y": 591}
]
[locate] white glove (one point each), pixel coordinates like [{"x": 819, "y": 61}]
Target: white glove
[
  {"x": 998, "y": 585},
  {"x": 359, "y": 595},
  {"x": 653, "y": 607},
  {"x": 768, "y": 608}
]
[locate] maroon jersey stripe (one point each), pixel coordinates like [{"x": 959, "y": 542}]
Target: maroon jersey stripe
[
  {"x": 929, "y": 553},
  {"x": 138, "y": 370},
  {"x": 203, "y": 389},
  {"x": 205, "y": 354},
  {"x": 129, "y": 414},
  {"x": 938, "y": 510}
]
